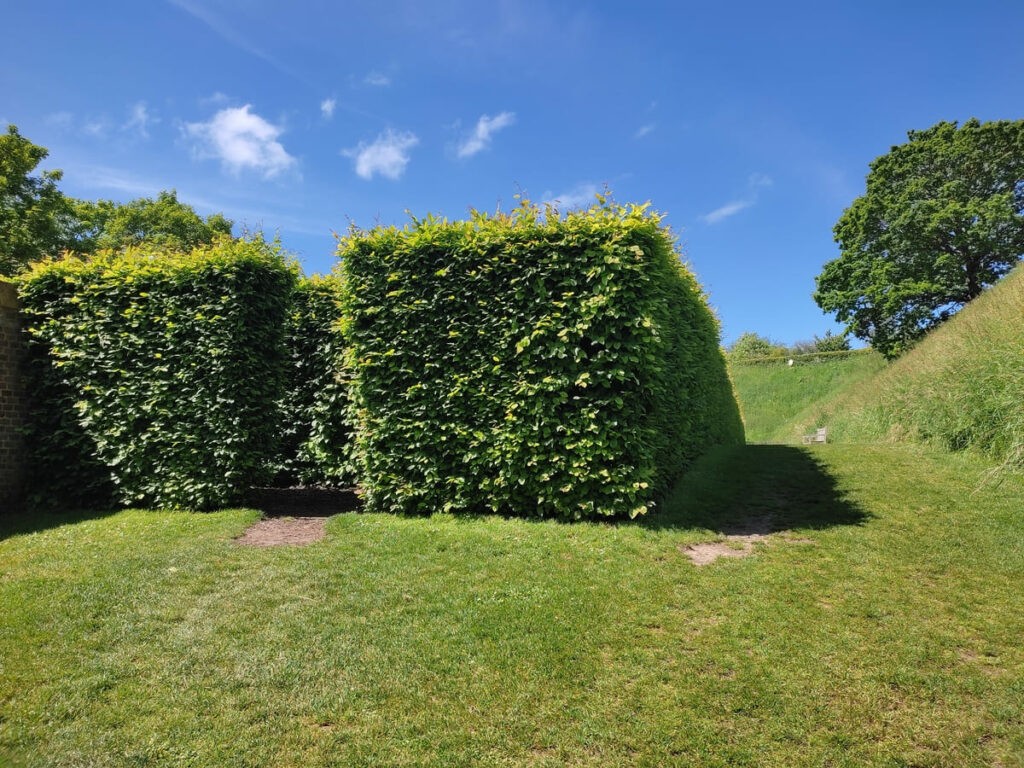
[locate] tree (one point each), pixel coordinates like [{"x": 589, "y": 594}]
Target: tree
[
  {"x": 749, "y": 344},
  {"x": 36, "y": 219},
  {"x": 164, "y": 221},
  {"x": 942, "y": 218},
  {"x": 831, "y": 342}
]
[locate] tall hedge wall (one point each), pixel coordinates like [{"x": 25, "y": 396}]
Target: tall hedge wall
[
  {"x": 315, "y": 410},
  {"x": 156, "y": 376},
  {"x": 529, "y": 364}
]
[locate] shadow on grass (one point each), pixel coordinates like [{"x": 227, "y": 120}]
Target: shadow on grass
[
  {"x": 22, "y": 521},
  {"x": 734, "y": 490},
  {"x": 755, "y": 489},
  {"x": 272, "y": 502},
  {"x": 303, "y": 502}
]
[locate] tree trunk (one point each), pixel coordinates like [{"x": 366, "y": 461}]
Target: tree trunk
[{"x": 972, "y": 267}]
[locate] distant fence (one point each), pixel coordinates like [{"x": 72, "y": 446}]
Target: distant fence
[
  {"x": 13, "y": 404},
  {"x": 807, "y": 359}
]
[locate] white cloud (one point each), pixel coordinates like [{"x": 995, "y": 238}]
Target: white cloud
[
  {"x": 643, "y": 130},
  {"x": 242, "y": 139},
  {"x": 580, "y": 196},
  {"x": 377, "y": 79},
  {"x": 727, "y": 210},
  {"x": 755, "y": 182},
  {"x": 139, "y": 120},
  {"x": 485, "y": 127},
  {"x": 327, "y": 108},
  {"x": 387, "y": 155}
]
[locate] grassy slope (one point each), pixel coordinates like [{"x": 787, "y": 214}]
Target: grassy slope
[
  {"x": 891, "y": 637},
  {"x": 960, "y": 388},
  {"x": 772, "y": 396}
]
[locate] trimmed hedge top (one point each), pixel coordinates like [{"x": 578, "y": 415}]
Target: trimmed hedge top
[
  {"x": 529, "y": 364},
  {"x": 156, "y": 375}
]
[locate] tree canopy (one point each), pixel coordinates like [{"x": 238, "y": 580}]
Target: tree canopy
[
  {"x": 38, "y": 220},
  {"x": 164, "y": 221},
  {"x": 941, "y": 219},
  {"x": 750, "y": 344},
  {"x": 35, "y": 217}
]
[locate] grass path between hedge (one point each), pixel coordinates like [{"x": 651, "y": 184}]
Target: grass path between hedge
[{"x": 891, "y": 636}]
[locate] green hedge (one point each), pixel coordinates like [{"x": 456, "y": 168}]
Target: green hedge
[
  {"x": 156, "y": 375},
  {"x": 315, "y": 449},
  {"x": 529, "y": 364}
]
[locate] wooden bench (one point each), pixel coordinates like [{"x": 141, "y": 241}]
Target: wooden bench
[{"x": 818, "y": 436}]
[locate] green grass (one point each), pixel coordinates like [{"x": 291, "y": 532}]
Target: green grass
[
  {"x": 959, "y": 389},
  {"x": 773, "y": 395},
  {"x": 891, "y": 637}
]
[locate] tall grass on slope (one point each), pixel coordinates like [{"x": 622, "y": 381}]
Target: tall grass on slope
[
  {"x": 961, "y": 388},
  {"x": 773, "y": 395}
]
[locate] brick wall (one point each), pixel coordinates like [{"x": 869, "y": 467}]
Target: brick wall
[{"x": 12, "y": 400}]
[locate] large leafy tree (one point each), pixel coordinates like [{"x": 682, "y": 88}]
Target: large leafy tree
[
  {"x": 36, "y": 219},
  {"x": 942, "y": 218},
  {"x": 165, "y": 221}
]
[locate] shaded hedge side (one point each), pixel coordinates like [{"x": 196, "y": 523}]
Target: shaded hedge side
[
  {"x": 156, "y": 375},
  {"x": 316, "y": 408},
  {"x": 529, "y": 364}
]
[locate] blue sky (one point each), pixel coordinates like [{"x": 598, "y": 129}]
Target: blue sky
[{"x": 750, "y": 124}]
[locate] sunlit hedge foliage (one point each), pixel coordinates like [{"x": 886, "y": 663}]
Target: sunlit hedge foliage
[
  {"x": 315, "y": 410},
  {"x": 156, "y": 376},
  {"x": 530, "y": 364}
]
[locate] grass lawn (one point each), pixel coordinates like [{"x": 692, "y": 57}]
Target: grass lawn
[
  {"x": 773, "y": 396},
  {"x": 884, "y": 630}
]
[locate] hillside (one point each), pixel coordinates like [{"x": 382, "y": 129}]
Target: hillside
[
  {"x": 959, "y": 389},
  {"x": 773, "y": 395}
]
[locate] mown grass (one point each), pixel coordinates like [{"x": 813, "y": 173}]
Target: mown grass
[
  {"x": 772, "y": 396},
  {"x": 891, "y": 636},
  {"x": 961, "y": 388}
]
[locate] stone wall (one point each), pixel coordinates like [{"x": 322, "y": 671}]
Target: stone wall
[{"x": 13, "y": 405}]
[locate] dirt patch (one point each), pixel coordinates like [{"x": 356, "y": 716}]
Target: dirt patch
[
  {"x": 740, "y": 537},
  {"x": 709, "y": 551},
  {"x": 275, "y": 531}
]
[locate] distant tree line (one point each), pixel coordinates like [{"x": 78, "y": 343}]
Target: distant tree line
[
  {"x": 752, "y": 345},
  {"x": 38, "y": 220}
]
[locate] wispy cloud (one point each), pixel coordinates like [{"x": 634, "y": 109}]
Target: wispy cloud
[
  {"x": 241, "y": 139},
  {"x": 643, "y": 130},
  {"x": 97, "y": 127},
  {"x": 755, "y": 182},
  {"x": 139, "y": 120},
  {"x": 580, "y": 196},
  {"x": 102, "y": 177},
  {"x": 228, "y": 32},
  {"x": 727, "y": 210},
  {"x": 216, "y": 97},
  {"x": 387, "y": 155},
  {"x": 62, "y": 120},
  {"x": 327, "y": 108},
  {"x": 486, "y": 127},
  {"x": 377, "y": 79},
  {"x": 251, "y": 212}
]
